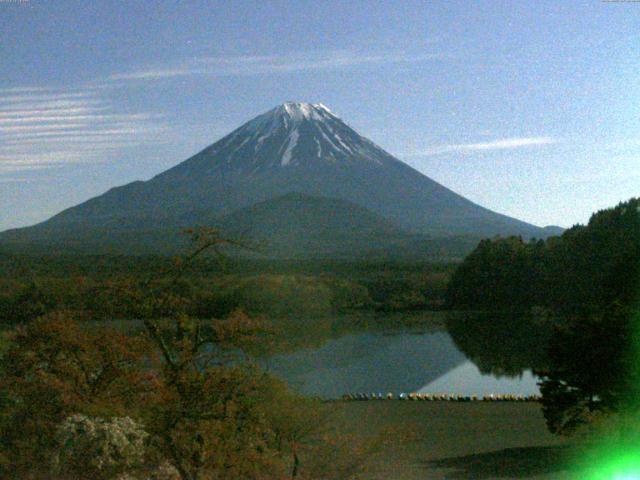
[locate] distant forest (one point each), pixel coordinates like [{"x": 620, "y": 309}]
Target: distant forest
[
  {"x": 118, "y": 287},
  {"x": 587, "y": 267}
]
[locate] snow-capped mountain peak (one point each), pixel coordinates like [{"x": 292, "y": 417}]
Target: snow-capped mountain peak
[
  {"x": 291, "y": 114},
  {"x": 293, "y": 134},
  {"x": 298, "y": 111}
]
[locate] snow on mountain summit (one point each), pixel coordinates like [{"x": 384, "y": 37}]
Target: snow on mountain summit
[
  {"x": 308, "y": 111},
  {"x": 291, "y": 114},
  {"x": 293, "y": 134}
]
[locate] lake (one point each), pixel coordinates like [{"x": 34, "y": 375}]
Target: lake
[
  {"x": 373, "y": 361},
  {"x": 391, "y": 362}
]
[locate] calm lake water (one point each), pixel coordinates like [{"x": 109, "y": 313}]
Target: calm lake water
[{"x": 401, "y": 362}]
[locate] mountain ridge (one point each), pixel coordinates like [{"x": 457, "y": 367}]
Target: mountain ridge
[{"x": 295, "y": 147}]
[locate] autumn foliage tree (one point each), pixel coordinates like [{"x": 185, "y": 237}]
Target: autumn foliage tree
[
  {"x": 205, "y": 408},
  {"x": 54, "y": 368}
]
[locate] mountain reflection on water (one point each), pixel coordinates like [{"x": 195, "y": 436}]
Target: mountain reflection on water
[
  {"x": 467, "y": 380},
  {"x": 408, "y": 362},
  {"x": 369, "y": 362}
]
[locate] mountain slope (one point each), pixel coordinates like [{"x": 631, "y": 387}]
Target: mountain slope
[
  {"x": 296, "y": 215},
  {"x": 301, "y": 226},
  {"x": 296, "y": 147},
  {"x": 297, "y": 226}
]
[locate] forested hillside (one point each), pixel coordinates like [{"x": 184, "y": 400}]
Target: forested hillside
[{"x": 576, "y": 296}]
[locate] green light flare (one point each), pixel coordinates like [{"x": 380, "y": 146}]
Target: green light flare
[
  {"x": 614, "y": 464},
  {"x": 616, "y": 452}
]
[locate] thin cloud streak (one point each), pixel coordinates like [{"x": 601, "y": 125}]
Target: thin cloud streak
[
  {"x": 75, "y": 138},
  {"x": 36, "y": 128},
  {"x": 75, "y": 118},
  {"x": 14, "y": 179},
  {"x": 502, "y": 144},
  {"x": 50, "y": 105},
  {"x": 43, "y": 160},
  {"x": 27, "y": 89},
  {"x": 23, "y": 168},
  {"x": 88, "y": 132},
  {"x": 60, "y": 157},
  {"x": 16, "y": 151},
  {"x": 510, "y": 143},
  {"x": 270, "y": 64},
  {"x": 15, "y": 114},
  {"x": 49, "y": 97}
]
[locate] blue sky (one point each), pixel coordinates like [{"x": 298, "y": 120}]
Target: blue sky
[{"x": 529, "y": 108}]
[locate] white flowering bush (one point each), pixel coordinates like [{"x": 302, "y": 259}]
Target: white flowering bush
[{"x": 99, "y": 448}]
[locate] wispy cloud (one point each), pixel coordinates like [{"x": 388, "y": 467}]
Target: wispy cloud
[
  {"x": 271, "y": 64},
  {"x": 25, "y": 89},
  {"x": 13, "y": 113},
  {"x": 44, "y": 97},
  {"x": 49, "y": 105},
  {"x": 35, "y": 128},
  {"x": 14, "y": 179},
  {"x": 67, "y": 118},
  {"x": 501, "y": 144},
  {"x": 43, "y": 127}
]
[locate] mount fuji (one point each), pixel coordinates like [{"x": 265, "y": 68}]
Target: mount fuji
[{"x": 296, "y": 148}]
